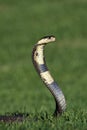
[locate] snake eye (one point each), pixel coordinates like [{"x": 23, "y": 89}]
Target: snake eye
[{"x": 49, "y": 37}]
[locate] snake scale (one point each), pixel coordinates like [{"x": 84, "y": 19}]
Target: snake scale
[{"x": 42, "y": 69}]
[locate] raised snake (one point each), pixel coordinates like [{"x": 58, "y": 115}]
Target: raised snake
[{"x": 41, "y": 67}]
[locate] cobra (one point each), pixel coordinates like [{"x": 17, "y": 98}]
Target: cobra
[{"x": 42, "y": 69}]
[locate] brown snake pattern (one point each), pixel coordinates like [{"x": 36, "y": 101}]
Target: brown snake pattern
[{"x": 40, "y": 65}]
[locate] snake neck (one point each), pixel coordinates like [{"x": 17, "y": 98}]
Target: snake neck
[
  {"x": 38, "y": 57},
  {"x": 40, "y": 64}
]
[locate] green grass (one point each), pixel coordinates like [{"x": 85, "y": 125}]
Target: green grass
[{"x": 22, "y": 23}]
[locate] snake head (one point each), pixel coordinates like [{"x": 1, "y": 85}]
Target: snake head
[{"x": 46, "y": 40}]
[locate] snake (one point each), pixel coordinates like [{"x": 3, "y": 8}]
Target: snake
[{"x": 39, "y": 63}]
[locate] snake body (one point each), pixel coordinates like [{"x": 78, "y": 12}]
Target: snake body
[{"x": 42, "y": 69}]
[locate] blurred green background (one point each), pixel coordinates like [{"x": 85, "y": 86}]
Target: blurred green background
[{"x": 22, "y": 24}]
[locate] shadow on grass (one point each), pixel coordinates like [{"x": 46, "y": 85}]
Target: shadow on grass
[
  {"x": 13, "y": 117},
  {"x": 21, "y": 117}
]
